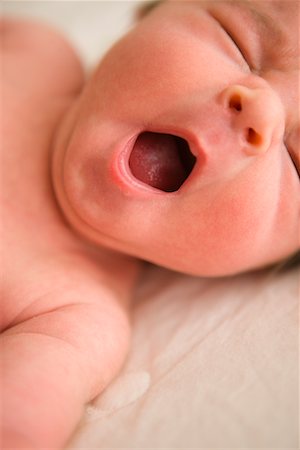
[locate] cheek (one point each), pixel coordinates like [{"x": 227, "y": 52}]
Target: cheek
[
  {"x": 151, "y": 66},
  {"x": 239, "y": 220},
  {"x": 231, "y": 229}
]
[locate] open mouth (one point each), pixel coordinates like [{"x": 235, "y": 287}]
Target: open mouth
[{"x": 163, "y": 161}]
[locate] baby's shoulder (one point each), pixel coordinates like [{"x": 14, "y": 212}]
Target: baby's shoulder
[{"x": 35, "y": 51}]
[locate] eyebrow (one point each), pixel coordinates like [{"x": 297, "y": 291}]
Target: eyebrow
[{"x": 260, "y": 17}]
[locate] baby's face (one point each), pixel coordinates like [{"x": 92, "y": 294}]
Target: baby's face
[{"x": 184, "y": 146}]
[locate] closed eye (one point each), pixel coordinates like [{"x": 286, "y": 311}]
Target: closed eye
[
  {"x": 233, "y": 40},
  {"x": 237, "y": 45},
  {"x": 296, "y": 167},
  {"x": 294, "y": 160}
]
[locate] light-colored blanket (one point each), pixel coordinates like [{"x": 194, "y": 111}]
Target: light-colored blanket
[{"x": 213, "y": 363}]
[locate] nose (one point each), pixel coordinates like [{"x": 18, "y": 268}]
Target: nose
[{"x": 256, "y": 114}]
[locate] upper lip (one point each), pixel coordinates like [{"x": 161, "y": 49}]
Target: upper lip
[{"x": 191, "y": 139}]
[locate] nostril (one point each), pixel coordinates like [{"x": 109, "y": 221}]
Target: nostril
[
  {"x": 235, "y": 102},
  {"x": 253, "y": 137}
]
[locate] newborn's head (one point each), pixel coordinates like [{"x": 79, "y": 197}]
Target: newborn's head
[{"x": 183, "y": 148}]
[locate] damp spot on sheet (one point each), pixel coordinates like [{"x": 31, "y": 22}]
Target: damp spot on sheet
[{"x": 122, "y": 392}]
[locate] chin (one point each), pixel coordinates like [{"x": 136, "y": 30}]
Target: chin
[{"x": 219, "y": 265}]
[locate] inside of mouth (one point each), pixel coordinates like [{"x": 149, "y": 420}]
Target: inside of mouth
[{"x": 163, "y": 161}]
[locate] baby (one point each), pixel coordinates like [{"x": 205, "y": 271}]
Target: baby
[{"x": 181, "y": 149}]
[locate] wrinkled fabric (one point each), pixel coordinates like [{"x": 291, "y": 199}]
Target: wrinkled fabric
[{"x": 213, "y": 363}]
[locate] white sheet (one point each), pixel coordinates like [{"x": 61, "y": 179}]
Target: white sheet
[{"x": 213, "y": 363}]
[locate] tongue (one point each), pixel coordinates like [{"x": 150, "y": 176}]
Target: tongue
[{"x": 155, "y": 160}]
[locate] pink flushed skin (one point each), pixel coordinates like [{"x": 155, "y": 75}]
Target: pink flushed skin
[{"x": 239, "y": 209}]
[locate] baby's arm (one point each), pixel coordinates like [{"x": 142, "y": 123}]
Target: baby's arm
[
  {"x": 58, "y": 359},
  {"x": 64, "y": 304}
]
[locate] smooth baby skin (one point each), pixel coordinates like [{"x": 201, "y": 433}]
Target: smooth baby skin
[
  {"x": 223, "y": 77},
  {"x": 64, "y": 305}
]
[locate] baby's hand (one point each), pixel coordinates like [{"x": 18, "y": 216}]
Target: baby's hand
[{"x": 65, "y": 327}]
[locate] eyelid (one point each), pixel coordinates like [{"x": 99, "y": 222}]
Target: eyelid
[
  {"x": 236, "y": 44},
  {"x": 233, "y": 40},
  {"x": 296, "y": 166},
  {"x": 293, "y": 159}
]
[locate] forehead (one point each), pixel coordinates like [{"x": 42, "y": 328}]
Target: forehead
[{"x": 276, "y": 16}]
